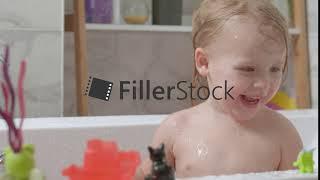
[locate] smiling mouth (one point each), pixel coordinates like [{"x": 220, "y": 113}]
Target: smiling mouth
[{"x": 249, "y": 101}]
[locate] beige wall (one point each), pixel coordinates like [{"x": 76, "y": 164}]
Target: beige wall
[{"x": 163, "y": 58}]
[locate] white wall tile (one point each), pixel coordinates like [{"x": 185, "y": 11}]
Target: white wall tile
[
  {"x": 32, "y": 14},
  {"x": 43, "y": 82},
  {"x": 313, "y": 16}
]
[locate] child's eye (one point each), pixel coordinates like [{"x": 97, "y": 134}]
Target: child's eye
[
  {"x": 275, "y": 69},
  {"x": 247, "y": 69}
]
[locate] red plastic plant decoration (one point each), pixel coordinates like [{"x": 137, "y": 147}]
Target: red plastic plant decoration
[{"x": 7, "y": 113}]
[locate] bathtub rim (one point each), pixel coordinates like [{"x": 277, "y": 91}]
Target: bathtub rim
[{"x": 122, "y": 120}]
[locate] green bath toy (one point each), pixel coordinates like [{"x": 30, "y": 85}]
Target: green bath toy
[
  {"x": 19, "y": 165},
  {"x": 18, "y": 159},
  {"x": 35, "y": 174},
  {"x": 305, "y": 161}
]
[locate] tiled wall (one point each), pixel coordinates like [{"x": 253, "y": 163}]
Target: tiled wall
[
  {"x": 313, "y": 16},
  {"x": 34, "y": 31}
]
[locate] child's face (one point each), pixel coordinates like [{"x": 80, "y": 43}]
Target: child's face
[{"x": 249, "y": 57}]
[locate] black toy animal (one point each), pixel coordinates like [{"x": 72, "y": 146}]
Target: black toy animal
[{"x": 160, "y": 170}]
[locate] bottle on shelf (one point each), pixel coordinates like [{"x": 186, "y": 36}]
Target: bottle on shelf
[
  {"x": 135, "y": 11},
  {"x": 167, "y": 12},
  {"x": 99, "y": 11}
]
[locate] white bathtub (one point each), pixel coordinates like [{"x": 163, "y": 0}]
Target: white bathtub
[{"x": 62, "y": 141}]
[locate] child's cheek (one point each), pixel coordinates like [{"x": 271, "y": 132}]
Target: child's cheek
[
  {"x": 272, "y": 91},
  {"x": 239, "y": 86},
  {"x": 228, "y": 83}
]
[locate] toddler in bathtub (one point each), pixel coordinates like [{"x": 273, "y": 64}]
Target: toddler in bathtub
[{"x": 243, "y": 42}]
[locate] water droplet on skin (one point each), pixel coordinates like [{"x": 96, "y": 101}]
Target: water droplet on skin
[{"x": 202, "y": 150}]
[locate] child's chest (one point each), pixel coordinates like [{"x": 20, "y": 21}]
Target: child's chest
[{"x": 215, "y": 154}]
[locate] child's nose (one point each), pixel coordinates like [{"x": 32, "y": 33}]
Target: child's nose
[{"x": 261, "y": 83}]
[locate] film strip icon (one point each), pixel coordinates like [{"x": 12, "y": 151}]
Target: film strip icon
[{"x": 98, "y": 88}]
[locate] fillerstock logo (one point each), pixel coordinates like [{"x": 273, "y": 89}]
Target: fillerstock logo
[
  {"x": 99, "y": 88},
  {"x": 182, "y": 90},
  {"x": 142, "y": 90}
]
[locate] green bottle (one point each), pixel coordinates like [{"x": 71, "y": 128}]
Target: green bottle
[{"x": 167, "y": 12}]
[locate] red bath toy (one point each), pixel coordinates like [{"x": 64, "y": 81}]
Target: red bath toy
[{"x": 103, "y": 161}]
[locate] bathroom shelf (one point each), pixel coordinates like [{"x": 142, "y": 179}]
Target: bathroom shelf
[
  {"x": 29, "y": 29},
  {"x": 152, "y": 28}
]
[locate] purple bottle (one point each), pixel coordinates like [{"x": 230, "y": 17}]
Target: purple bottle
[{"x": 99, "y": 11}]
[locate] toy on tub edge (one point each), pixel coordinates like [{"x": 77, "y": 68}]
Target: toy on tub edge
[
  {"x": 160, "y": 170},
  {"x": 103, "y": 161},
  {"x": 305, "y": 161},
  {"x": 18, "y": 158}
]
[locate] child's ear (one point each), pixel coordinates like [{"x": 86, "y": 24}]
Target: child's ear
[{"x": 201, "y": 61}]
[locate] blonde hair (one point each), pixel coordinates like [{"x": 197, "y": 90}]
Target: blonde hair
[{"x": 208, "y": 20}]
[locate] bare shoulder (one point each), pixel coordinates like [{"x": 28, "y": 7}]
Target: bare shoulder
[
  {"x": 282, "y": 124},
  {"x": 165, "y": 134},
  {"x": 178, "y": 120},
  {"x": 288, "y": 138},
  {"x": 173, "y": 123}
]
